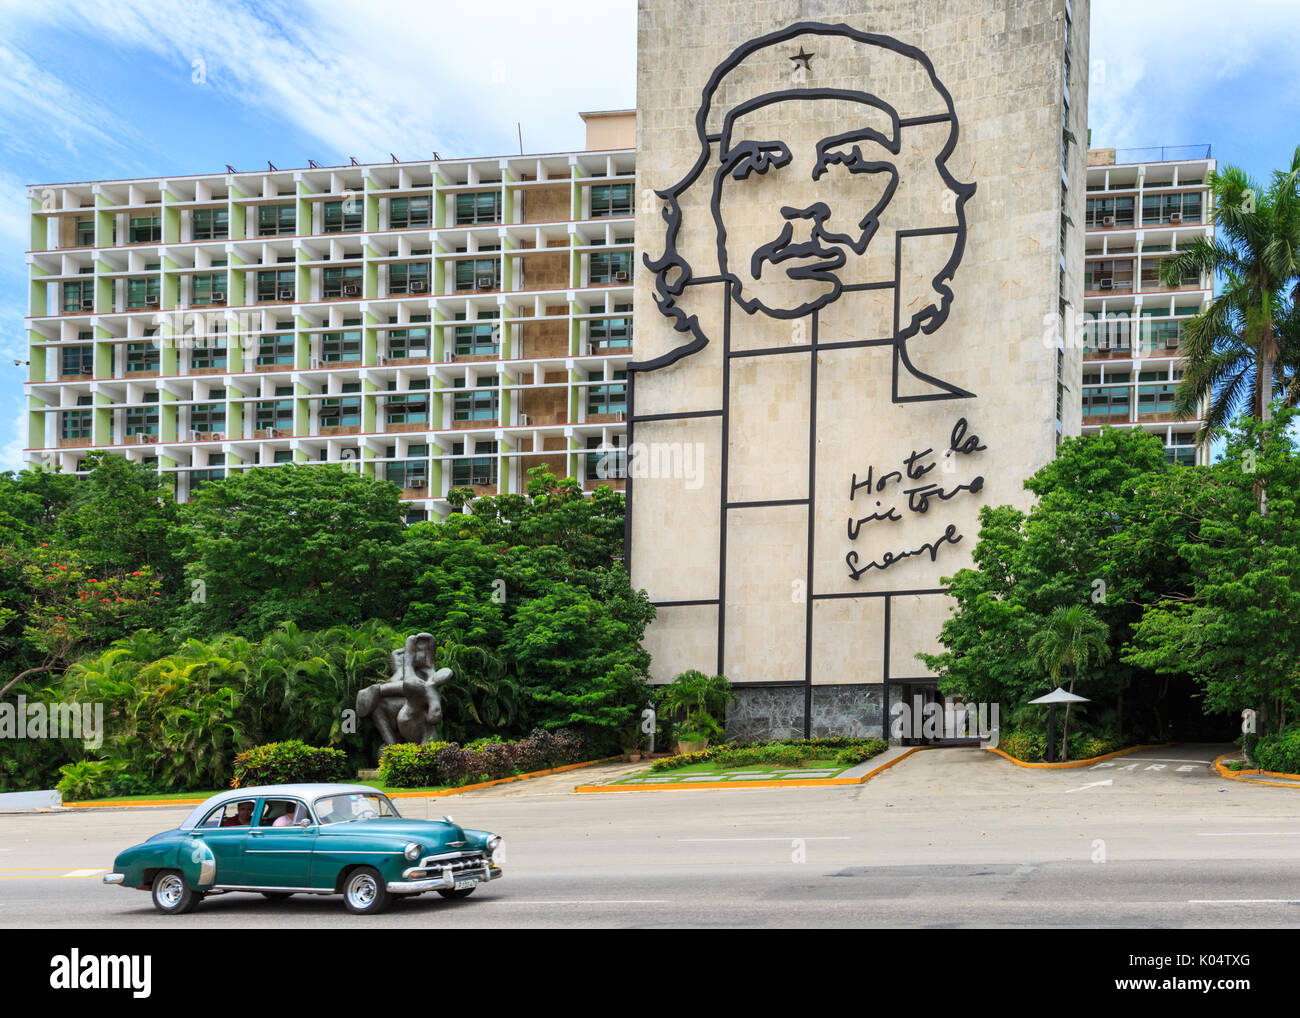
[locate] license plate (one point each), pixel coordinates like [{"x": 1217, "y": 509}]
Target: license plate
[{"x": 465, "y": 885}]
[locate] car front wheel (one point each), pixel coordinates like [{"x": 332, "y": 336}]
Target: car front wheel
[
  {"x": 364, "y": 892},
  {"x": 172, "y": 893}
]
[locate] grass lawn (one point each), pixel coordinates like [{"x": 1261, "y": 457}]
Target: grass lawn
[{"x": 713, "y": 771}]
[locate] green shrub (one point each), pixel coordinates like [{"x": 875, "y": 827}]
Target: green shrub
[
  {"x": 1024, "y": 744},
  {"x": 406, "y": 765},
  {"x": 1089, "y": 746},
  {"x": 438, "y": 764},
  {"x": 854, "y": 755},
  {"x": 87, "y": 779},
  {"x": 279, "y": 763},
  {"x": 1279, "y": 753}
]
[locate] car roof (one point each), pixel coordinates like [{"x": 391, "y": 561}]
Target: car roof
[{"x": 309, "y": 792}]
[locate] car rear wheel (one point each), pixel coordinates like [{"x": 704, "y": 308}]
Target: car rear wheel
[
  {"x": 464, "y": 892},
  {"x": 172, "y": 893},
  {"x": 364, "y": 892}
]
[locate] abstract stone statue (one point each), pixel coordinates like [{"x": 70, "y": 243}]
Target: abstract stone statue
[{"x": 407, "y": 707}]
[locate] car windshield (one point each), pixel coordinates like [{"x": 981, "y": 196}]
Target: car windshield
[{"x": 337, "y": 809}]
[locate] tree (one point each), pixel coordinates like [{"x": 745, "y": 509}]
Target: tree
[
  {"x": 1242, "y": 348},
  {"x": 314, "y": 545},
  {"x": 699, "y": 696},
  {"x": 1072, "y": 638}
]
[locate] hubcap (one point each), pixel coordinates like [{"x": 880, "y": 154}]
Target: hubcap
[
  {"x": 170, "y": 891},
  {"x": 362, "y": 890}
]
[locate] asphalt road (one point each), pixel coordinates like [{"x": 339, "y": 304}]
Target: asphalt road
[{"x": 952, "y": 837}]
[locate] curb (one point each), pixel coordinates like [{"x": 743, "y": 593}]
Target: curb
[
  {"x": 1077, "y": 763},
  {"x": 1231, "y": 775},
  {"x": 431, "y": 794},
  {"x": 788, "y": 783}
]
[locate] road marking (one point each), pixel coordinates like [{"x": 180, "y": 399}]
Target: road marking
[
  {"x": 792, "y": 837},
  {"x": 1094, "y": 784},
  {"x": 1186, "y": 767},
  {"x": 1166, "y": 759},
  {"x": 576, "y": 901},
  {"x": 1155, "y": 767},
  {"x": 1243, "y": 901},
  {"x": 1249, "y": 834},
  {"x": 85, "y": 873}
]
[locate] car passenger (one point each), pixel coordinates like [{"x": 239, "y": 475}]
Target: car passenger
[{"x": 243, "y": 815}]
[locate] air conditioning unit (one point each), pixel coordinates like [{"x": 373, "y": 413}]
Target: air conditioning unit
[
  {"x": 484, "y": 283},
  {"x": 352, "y": 290},
  {"x": 272, "y": 433},
  {"x": 1171, "y": 342},
  {"x": 87, "y": 305},
  {"x": 419, "y": 286},
  {"x": 197, "y": 436},
  {"x": 218, "y": 298},
  {"x": 1106, "y": 282},
  {"x": 1107, "y": 220},
  {"x": 284, "y": 294},
  {"x": 216, "y": 436},
  {"x": 141, "y": 438},
  {"x": 151, "y": 300},
  {"x": 1175, "y": 218},
  {"x": 620, "y": 277},
  {"x": 449, "y": 356},
  {"x": 315, "y": 362},
  {"x": 525, "y": 420}
]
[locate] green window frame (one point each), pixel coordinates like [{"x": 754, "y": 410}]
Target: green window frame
[
  {"x": 340, "y": 220},
  {"x": 75, "y": 424},
  {"x": 412, "y": 342},
  {"x": 142, "y": 357},
  {"x": 270, "y": 283},
  {"x": 609, "y": 460},
  {"x": 478, "y": 207},
  {"x": 478, "y": 340},
  {"x": 143, "y": 420},
  {"x": 145, "y": 230},
  {"x": 402, "y": 275},
  {"x": 211, "y": 224},
  {"x": 277, "y": 220},
  {"x": 85, "y": 233},
  {"x": 337, "y": 277},
  {"x": 409, "y": 213},
  {"x": 76, "y": 294},
  {"x": 482, "y": 403},
  {"x": 277, "y": 413},
  {"x": 342, "y": 411},
  {"x": 139, "y": 289},
  {"x": 611, "y": 200},
  {"x": 410, "y": 407},
  {"x": 77, "y": 360},
  {"x": 275, "y": 350},
  {"x": 610, "y": 333},
  {"x": 210, "y": 352},
  {"x": 470, "y": 272},
  {"x": 208, "y": 417},
  {"x": 337, "y": 347},
  {"x": 207, "y": 285}
]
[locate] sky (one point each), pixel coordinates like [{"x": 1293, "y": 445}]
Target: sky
[{"x": 144, "y": 88}]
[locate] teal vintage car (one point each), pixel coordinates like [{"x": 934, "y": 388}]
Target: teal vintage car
[{"x": 279, "y": 840}]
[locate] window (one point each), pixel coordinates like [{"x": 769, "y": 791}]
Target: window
[
  {"x": 277, "y": 413},
  {"x": 211, "y": 224},
  {"x": 277, "y": 220},
  {"x": 1163, "y": 208},
  {"x": 1155, "y": 399},
  {"x": 411, "y": 407},
  {"x": 75, "y": 424},
  {"x": 141, "y": 292},
  {"x": 341, "y": 346},
  {"x": 477, "y": 340},
  {"x": 413, "y": 342},
  {"x": 1106, "y": 401},
  {"x": 208, "y": 288},
  {"x": 209, "y": 352},
  {"x": 481, "y": 207},
  {"x": 208, "y": 417},
  {"x": 1099, "y": 210},
  {"x": 342, "y": 411},
  {"x": 198, "y": 478},
  {"x": 400, "y": 277},
  {"x": 606, "y": 399},
  {"x": 482, "y": 469},
  {"x": 610, "y": 333},
  {"x": 405, "y": 213},
  {"x": 277, "y": 285},
  {"x": 611, "y": 267},
  {"x": 479, "y": 404},
  {"x": 85, "y": 233},
  {"x": 78, "y": 360},
  {"x": 145, "y": 230},
  {"x": 340, "y": 279},
  {"x": 478, "y": 274},
  {"x": 611, "y": 200},
  {"x": 608, "y": 461},
  {"x": 408, "y": 473},
  {"x": 275, "y": 350},
  {"x": 282, "y": 456},
  {"x": 77, "y": 295},
  {"x": 143, "y": 420},
  {"x": 141, "y": 357},
  {"x": 343, "y": 216}
]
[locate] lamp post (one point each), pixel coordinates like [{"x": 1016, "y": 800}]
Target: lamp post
[{"x": 1056, "y": 696}]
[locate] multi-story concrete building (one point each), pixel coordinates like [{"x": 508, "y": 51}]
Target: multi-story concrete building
[
  {"x": 441, "y": 323},
  {"x": 1143, "y": 207}
]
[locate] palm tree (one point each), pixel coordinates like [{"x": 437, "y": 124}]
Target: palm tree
[
  {"x": 1072, "y": 638},
  {"x": 1243, "y": 347}
]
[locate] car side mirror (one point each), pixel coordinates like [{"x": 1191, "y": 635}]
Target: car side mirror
[{"x": 304, "y": 822}]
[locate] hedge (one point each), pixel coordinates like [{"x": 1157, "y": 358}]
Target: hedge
[
  {"x": 787, "y": 753},
  {"x": 439, "y": 764},
  {"x": 286, "y": 763}
]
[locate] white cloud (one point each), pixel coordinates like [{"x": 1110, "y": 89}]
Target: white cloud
[
  {"x": 1155, "y": 62},
  {"x": 11, "y": 453}
]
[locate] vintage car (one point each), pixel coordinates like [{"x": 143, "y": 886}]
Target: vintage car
[{"x": 278, "y": 840}]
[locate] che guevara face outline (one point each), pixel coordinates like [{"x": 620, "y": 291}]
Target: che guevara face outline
[{"x": 814, "y": 235}]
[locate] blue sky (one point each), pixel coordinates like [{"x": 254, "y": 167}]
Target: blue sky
[{"x": 141, "y": 88}]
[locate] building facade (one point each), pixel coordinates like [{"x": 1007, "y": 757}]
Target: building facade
[
  {"x": 861, "y": 240},
  {"x": 1143, "y": 207},
  {"x": 443, "y": 324}
]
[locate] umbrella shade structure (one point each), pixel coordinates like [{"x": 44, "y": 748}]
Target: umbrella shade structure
[{"x": 1056, "y": 696}]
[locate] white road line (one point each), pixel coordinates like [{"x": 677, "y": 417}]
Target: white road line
[
  {"x": 1243, "y": 901},
  {"x": 1166, "y": 759},
  {"x": 792, "y": 837},
  {"x": 621, "y": 901},
  {"x": 84, "y": 873},
  {"x": 1095, "y": 784},
  {"x": 1250, "y": 834}
]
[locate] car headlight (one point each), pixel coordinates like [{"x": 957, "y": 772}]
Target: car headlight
[
  {"x": 413, "y": 851},
  {"x": 492, "y": 843}
]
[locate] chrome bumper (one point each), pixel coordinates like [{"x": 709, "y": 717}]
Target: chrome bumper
[
  {"x": 114, "y": 878},
  {"x": 422, "y": 878}
]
